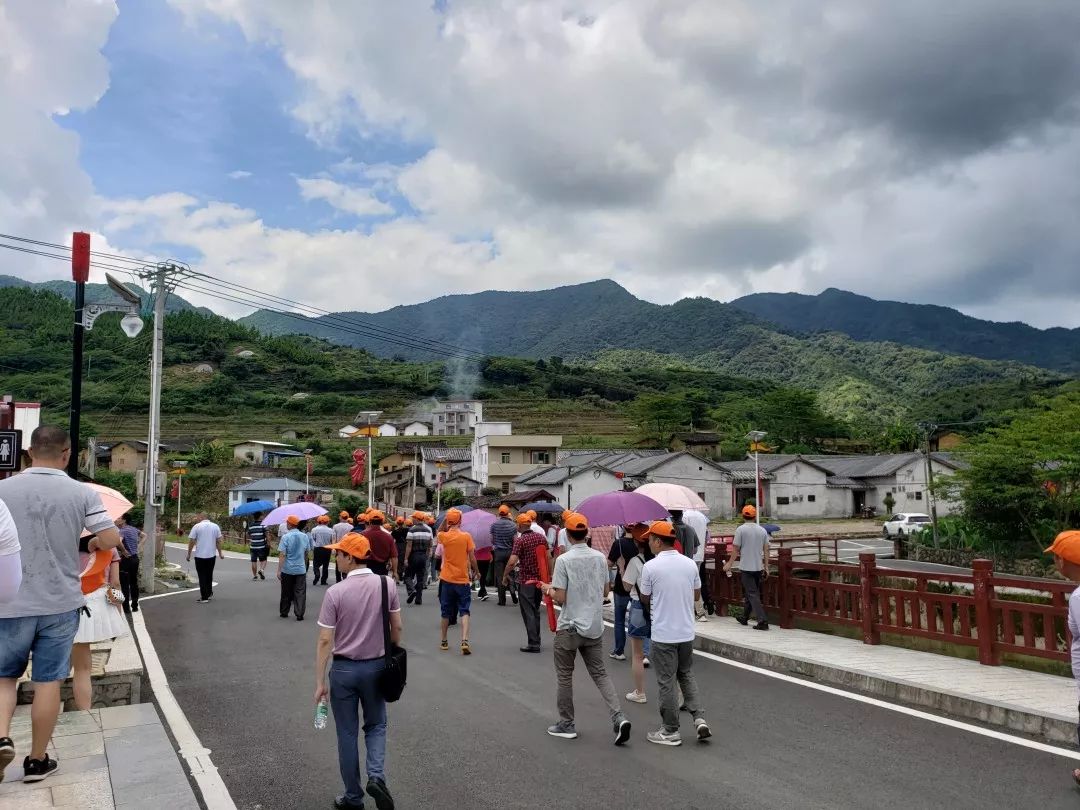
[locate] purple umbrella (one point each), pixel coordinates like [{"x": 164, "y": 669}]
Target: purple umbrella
[
  {"x": 621, "y": 509},
  {"x": 478, "y": 524},
  {"x": 305, "y": 510}
]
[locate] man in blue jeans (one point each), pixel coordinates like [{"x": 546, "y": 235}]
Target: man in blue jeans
[
  {"x": 622, "y": 551},
  {"x": 50, "y": 511},
  {"x": 351, "y": 630}
]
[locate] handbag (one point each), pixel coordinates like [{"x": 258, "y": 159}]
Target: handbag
[{"x": 392, "y": 677}]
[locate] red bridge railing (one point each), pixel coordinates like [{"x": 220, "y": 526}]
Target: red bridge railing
[{"x": 991, "y": 612}]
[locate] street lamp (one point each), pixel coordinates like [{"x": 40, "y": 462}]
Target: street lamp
[
  {"x": 181, "y": 471},
  {"x": 368, "y": 418},
  {"x": 755, "y": 438},
  {"x": 85, "y": 315}
]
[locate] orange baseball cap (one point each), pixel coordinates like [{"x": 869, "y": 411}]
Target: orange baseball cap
[
  {"x": 749, "y": 511},
  {"x": 429, "y": 520},
  {"x": 1067, "y": 546},
  {"x": 344, "y": 514},
  {"x": 292, "y": 520},
  {"x": 418, "y": 515},
  {"x": 524, "y": 519},
  {"x": 353, "y": 544},
  {"x": 504, "y": 510},
  {"x": 408, "y": 522},
  {"x": 662, "y": 528},
  {"x": 575, "y": 522},
  {"x": 375, "y": 516},
  {"x": 399, "y": 520},
  {"x": 453, "y": 517},
  {"x": 323, "y": 519},
  {"x": 531, "y": 514},
  {"x": 566, "y": 513}
]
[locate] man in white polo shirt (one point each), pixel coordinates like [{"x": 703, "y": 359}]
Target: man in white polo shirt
[
  {"x": 205, "y": 540},
  {"x": 669, "y": 586}
]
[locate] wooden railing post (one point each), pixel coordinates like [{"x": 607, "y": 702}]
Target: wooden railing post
[
  {"x": 783, "y": 588},
  {"x": 983, "y": 571},
  {"x": 867, "y": 605}
]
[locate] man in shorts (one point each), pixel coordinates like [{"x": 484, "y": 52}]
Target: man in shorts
[
  {"x": 50, "y": 511},
  {"x": 259, "y": 546},
  {"x": 458, "y": 571}
]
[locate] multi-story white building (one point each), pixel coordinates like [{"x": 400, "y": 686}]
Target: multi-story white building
[
  {"x": 498, "y": 456},
  {"x": 456, "y": 417}
]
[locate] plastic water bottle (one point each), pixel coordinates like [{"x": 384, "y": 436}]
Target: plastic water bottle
[{"x": 321, "y": 712}]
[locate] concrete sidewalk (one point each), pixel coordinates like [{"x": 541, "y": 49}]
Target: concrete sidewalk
[
  {"x": 117, "y": 758},
  {"x": 1015, "y": 699}
]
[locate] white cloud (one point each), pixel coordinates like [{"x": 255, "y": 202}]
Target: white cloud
[
  {"x": 239, "y": 174},
  {"x": 361, "y": 202},
  {"x": 47, "y": 69},
  {"x": 703, "y": 147}
]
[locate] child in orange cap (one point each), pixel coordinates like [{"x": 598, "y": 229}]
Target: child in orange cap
[{"x": 1066, "y": 551}]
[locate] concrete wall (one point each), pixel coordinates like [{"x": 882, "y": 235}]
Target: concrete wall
[
  {"x": 803, "y": 485},
  {"x": 910, "y": 490},
  {"x": 124, "y": 458},
  {"x": 585, "y": 485},
  {"x": 709, "y": 482}
]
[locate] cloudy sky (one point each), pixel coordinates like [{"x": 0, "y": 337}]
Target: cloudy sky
[{"x": 357, "y": 155}]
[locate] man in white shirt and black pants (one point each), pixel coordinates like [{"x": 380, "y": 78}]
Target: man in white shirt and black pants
[
  {"x": 669, "y": 586},
  {"x": 205, "y": 539}
]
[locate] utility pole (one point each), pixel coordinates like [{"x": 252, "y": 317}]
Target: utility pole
[
  {"x": 163, "y": 278},
  {"x": 756, "y": 437},
  {"x": 929, "y": 430}
]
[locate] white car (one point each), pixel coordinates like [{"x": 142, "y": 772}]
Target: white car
[{"x": 905, "y": 523}]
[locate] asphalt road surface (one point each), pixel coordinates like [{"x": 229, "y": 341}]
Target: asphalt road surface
[{"x": 470, "y": 731}]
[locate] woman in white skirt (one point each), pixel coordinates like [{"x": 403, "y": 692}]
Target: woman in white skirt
[{"x": 100, "y": 619}]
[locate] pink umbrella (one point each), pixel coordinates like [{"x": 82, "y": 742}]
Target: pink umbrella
[
  {"x": 673, "y": 496},
  {"x": 114, "y": 502},
  {"x": 478, "y": 524},
  {"x": 305, "y": 510},
  {"x": 621, "y": 509}
]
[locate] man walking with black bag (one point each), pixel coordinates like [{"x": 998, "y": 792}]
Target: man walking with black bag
[{"x": 352, "y": 628}]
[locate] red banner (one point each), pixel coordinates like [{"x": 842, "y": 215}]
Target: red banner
[{"x": 358, "y": 470}]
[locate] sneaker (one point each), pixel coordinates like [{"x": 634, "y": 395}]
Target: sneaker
[
  {"x": 376, "y": 789},
  {"x": 513, "y": 597},
  {"x": 134, "y": 608},
  {"x": 465, "y": 648},
  {"x": 761, "y": 626},
  {"x": 262, "y": 575},
  {"x": 703, "y": 730},
  {"x": 664, "y": 737},
  {"x": 564, "y": 730},
  {"x": 411, "y": 599},
  {"x": 7, "y": 753},
  {"x": 702, "y": 618},
  {"x": 617, "y": 656},
  {"x": 743, "y": 621},
  {"x": 645, "y": 662},
  {"x": 636, "y": 697},
  {"x": 444, "y": 645},
  {"x": 254, "y": 578},
  {"x": 34, "y": 770},
  {"x": 341, "y": 803},
  {"x": 202, "y": 601},
  {"x": 484, "y": 598},
  {"x": 529, "y": 649},
  {"x": 622, "y": 729}
]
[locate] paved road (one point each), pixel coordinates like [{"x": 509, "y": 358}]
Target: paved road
[{"x": 470, "y": 731}]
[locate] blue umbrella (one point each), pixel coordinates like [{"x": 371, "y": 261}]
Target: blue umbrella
[
  {"x": 541, "y": 507},
  {"x": 771, "y": 528},
  {"x": 252, "y": 507}
]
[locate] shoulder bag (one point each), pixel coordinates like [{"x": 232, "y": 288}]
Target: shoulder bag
[{"x": 392, "y": 677}]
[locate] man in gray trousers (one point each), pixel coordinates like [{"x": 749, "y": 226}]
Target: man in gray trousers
[{"x": 751, "y": 550}]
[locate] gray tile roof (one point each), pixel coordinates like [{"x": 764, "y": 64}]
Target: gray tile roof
[
  {"x": 446, "y": 453},
  {"x": 273, "y": 485}
]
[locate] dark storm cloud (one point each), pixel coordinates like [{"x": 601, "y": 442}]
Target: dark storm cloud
[
  {"x": 953, "y": 77},
  {"x": 734, "y": 245}
]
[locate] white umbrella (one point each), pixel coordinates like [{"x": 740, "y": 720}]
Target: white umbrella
[{"x": 673, "y": 496}]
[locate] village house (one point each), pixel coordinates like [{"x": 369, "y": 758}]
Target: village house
[
  {"x": 263, "y": 453},
  {"x": 701, "y": 444},
  {"x": 445, "y": 461},
  {"x": 498, "y": 456},
  {"x": 457, "y": 417},
  {"x": 279, "y": 491}
]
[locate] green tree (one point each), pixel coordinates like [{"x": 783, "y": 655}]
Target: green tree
[
  {"x": 658, "y": 415},
  {"x": 1021, "y": 482},
  {"x": 451, "y": 496},
  {"x": 210, "y": 454}
]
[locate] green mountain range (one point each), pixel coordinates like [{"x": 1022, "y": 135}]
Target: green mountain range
[
  {"x": 603, "y": 324},
  {"x": 922, "y": 325},
  {"x": 99, "y": 293}
]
